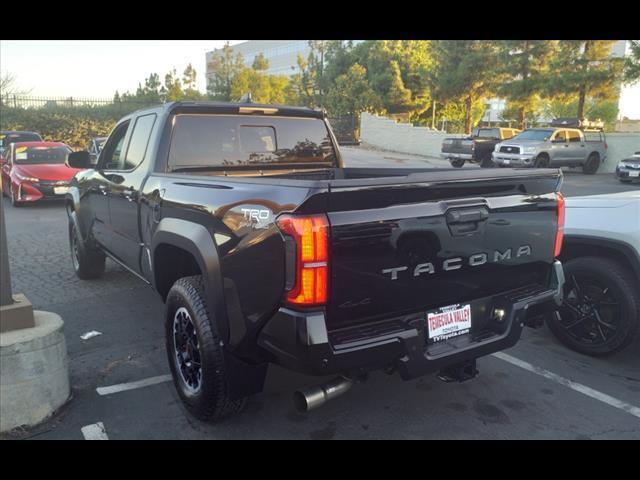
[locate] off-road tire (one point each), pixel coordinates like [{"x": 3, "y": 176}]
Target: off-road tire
[
  {"x": 592, "y": 164},
  {"x": 624, "y": 288},
  {"x": 456, "y": 162},
  {"x": 487, "y": 162},
  {"x": 88, "y": 263},
  {"x": 211, "y": 402}
]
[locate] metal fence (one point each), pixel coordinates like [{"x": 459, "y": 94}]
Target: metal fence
[
  {"x": 20, "y": 101},
  {"x": 346, "y": 129}
]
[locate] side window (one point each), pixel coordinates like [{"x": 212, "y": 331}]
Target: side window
[
  {"x": 111, "y": 157},
  {"x": 574, "y": 136},
  {"x": 560, "y": 136},
  {"x": 139, "y": 141}
]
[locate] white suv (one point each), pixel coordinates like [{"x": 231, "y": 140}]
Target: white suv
[{"x": 601, "y": 258}]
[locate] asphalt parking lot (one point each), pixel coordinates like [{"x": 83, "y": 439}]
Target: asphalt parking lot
[{"x": 522, "y": 393}]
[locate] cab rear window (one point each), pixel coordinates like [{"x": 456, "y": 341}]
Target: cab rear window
[
  {"x": 241, "y": 140},
  {"x": 593, "y": 136}
]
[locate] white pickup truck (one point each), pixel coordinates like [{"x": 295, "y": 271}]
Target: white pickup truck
[{"x": 600, "y": 313}]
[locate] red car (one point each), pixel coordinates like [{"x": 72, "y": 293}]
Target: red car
[{"x": 33, "y": 171}]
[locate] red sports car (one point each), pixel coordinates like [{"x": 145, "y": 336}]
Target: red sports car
[{"x": 33, "y": 171}]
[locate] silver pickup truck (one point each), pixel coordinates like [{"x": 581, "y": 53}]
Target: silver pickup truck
[{"x": 553, "y": 147}]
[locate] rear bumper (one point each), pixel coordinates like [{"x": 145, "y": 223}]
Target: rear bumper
[
  {"x": 301, "y": 342},
  {"x": 511, "y": 159},
  {"x": 456, "y": 156}
]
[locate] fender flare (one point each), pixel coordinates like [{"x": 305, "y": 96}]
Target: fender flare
[
  {"x": 619, "y": 246},
  {"x": 196, "y": 239}
]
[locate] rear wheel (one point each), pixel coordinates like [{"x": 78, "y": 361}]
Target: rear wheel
[
  {"x": 487, "y": 162},
  {"x": 456, "y": 162},
  {"x": 601, "y": 308},
  {"x": 88, "y": 263},
  {"x": 591, "y": 165},
  {"x": 195, "y": 353},
  {"x": 541, "y": 161}
]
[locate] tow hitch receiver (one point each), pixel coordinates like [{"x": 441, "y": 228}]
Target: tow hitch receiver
[{"x": 460, "y": 372}]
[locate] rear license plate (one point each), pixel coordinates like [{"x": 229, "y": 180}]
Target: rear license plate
[
  {"x": 634, "y": 174},
  {"x": 506, "y": 162},
  {"x": 448, "y": 322},
  {"x": 60, "y": 190}
]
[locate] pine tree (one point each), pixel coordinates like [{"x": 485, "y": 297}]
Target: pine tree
[
  {"x": 632, "y": 64},
  {"x": 224, "y": 66},
  {"x": 464, "y": 71},
  {"x": 522, "y": 69},
  {"x": 584, "y": 68}
]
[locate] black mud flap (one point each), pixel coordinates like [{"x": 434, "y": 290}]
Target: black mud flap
[
  {"x": 460, "y": 372},
  {"x": 243, "y": 379}
]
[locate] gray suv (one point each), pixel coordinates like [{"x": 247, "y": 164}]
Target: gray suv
[{"x": 553, "y": 147}]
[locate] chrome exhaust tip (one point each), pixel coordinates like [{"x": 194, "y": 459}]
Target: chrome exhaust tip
[{"x": 313, "y": 397}]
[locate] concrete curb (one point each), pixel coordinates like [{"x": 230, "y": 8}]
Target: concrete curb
[{"x": 34, "y": 372}]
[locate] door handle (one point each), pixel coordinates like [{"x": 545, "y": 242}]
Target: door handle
[{"x": 566, "y": 145}]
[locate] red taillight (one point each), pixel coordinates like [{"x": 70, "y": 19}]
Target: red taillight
[
  {"x": 560, "y": 229},
  {"x": 311, "y": 237}
]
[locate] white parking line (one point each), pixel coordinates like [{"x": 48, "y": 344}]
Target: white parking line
[
  {"x": 95, "y": 431},
  {"x": 578, "y": 387},
  {"x": 123, "y": 387}
]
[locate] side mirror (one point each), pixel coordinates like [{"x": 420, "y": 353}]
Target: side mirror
[{"x": 79, "y": 160}]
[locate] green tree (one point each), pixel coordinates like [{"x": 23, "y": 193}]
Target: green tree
[
  {"x": 352, "y": 94},
  {"x": 464, "y": 71},
  {"x": 190, "y": 91},
  {"x": 523, "y": 66},
  {"x": 605, "y": 110},
  {"x": 224, "y": 66},
  {"x": 260, "y": 63},
  {"x": 584, "y": 68},
  {"x": 398, "y": 72},
  {"x": 632, "y": 64},
  {"x": 301, "y": 90},
  {"x": 172, "y": 88}
]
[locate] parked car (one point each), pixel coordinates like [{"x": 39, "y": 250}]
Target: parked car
[
  {"x": 34, "y": 171},
  {"x": 601, "y": 256},
  {"x": 7, "y": 137},
  {"x": 265, "y": 249},
  {"x": 95, "y": 146},
  {"x": 476, "y": 148},
  {"x": 628, "y": 170},
  {"x": 553, "y": 147}
]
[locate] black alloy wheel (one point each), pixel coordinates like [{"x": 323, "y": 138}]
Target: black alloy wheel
[
  {"x": 186, "y": 350},
  {"x": 601, "y": 308}
]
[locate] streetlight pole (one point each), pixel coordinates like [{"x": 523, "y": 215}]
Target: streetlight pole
[{"x": 16, "y": 312}]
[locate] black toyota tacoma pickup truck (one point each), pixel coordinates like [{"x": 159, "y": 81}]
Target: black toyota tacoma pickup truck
[
  {"x": 266, "y": 249},
  {"x": 477, "y": 148}
]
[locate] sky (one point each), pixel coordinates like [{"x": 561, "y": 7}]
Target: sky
[{"x": 97, "y": 68}]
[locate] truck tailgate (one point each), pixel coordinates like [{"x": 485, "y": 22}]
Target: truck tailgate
[
  {"x": 410, "y": 247},
  {"x": 457, "y": 145}
]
